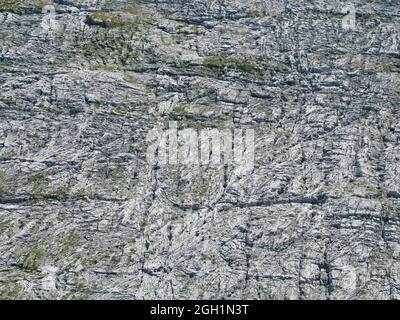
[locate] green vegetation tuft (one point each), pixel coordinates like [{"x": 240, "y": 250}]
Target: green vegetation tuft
[
  {"x": 131, "y": 9},
  {"x": 3, "y": 184},
  {"x": 115, "y": 260},
  {"x": 39, "y": 184},
  {"x": 41, "y": 3},
  {"x": 106, "y": 20},
  {"x": 219, "y": 64},
  {"x": 143, "y": 224},
  {"x": 130, "y": 78},
  {"x": 180, "y": 111},
  {"x": 113, "y": 20},
  {"x": 8, "y": 184},
  {"x": 388, "y": 67},
  {"x": 381, "y": 193},
  {"x": 10, "y": 6},
  {"x": 20, "y": 6},
  {"x": 10, "y": 290},
  {"x": 365, "y": 17},
  {"x": 61, "y": 193},
  {"x": 109, "y": 52},
  {"x": 183, "y": 276},
  {"x": 33, "y": 259},
  {"x": 40, "y": 188},
  {"x": 70, "y": 242}
]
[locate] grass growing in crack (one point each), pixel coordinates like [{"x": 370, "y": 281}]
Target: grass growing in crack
[
  {"x": 115, "y": 260},
  {"x": 208, "y": 257},
  {"x": 219, "y": 64},
  {"x": 180, "y": 111},
  {"x": 388, "y": 67},
  {"x": 40, "y": 186},
  {"x": 365, "y": 17},
  {"x": 168, "y": 218},
  {"x": 20, "y": 6},
  {"x": 70, "y": 242},
  {"x": 143, "y": 224},
  {"x": 3, "y": 184},
  {"x": 130, "y": 78},
  {"x": 381, "y": 193},
  {"x": 33, "y": 258},
  {"x": 10, "y": 290},
  {"x": 61, "y": 193},
  {"x": 8, "y": 184},
  {"x": 115, "y": 21},
  {"x": 183, "y": 276},
  {"x": 10, "y": 6},
  {"x": 106, "y": 20},
  {"x": 109, "y": 52},
  {"x": 134, "y": 10},
  {"x": 42, "y": 3}
]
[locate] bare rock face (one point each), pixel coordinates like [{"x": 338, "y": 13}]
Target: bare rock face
[{"x": 84, "y": 214}]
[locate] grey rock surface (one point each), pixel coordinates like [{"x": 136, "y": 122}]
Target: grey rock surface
[{"x": 84, "y": 215}]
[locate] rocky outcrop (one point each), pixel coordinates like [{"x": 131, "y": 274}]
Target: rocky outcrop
[{"x": 84, "y": 215}]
